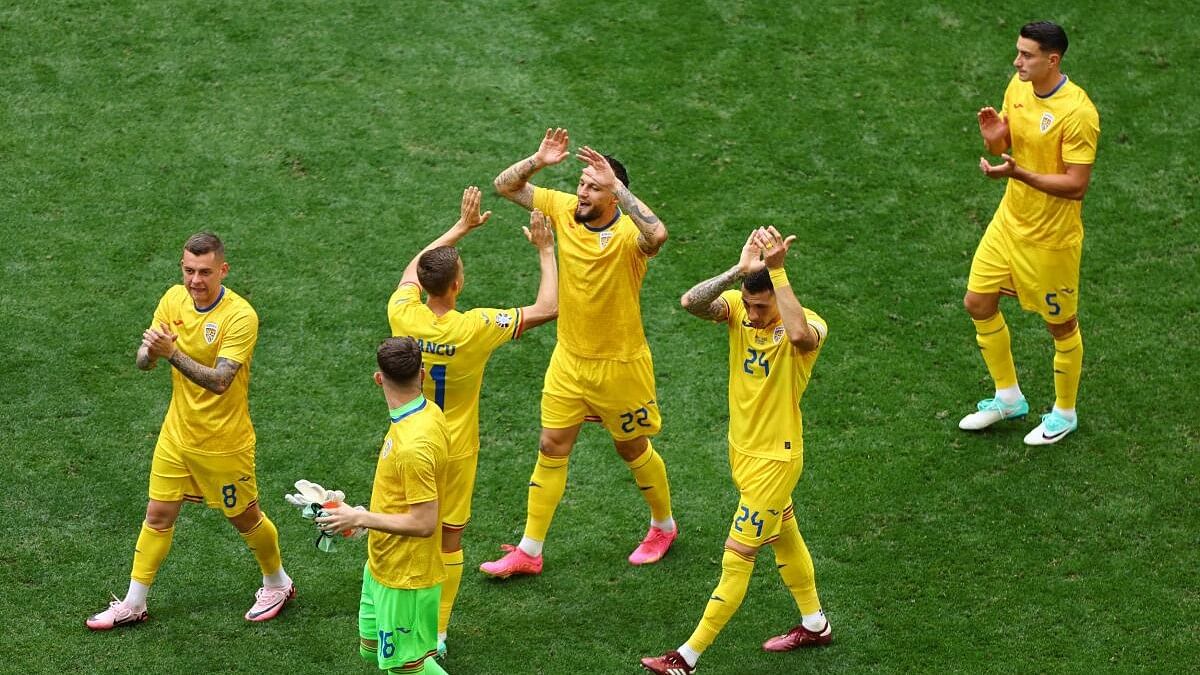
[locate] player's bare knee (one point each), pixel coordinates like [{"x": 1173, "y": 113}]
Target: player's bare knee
[
  {"x": 552, "y": 445},
  {"x": 631, "y": 449},
  {"x": 744, "y": 549},
  {"x": 368, "y": 650},
  {"x": 981, "y": 306},
  {"x": 246, "y": 520},
  {"x": 161, "y": 515},
  {"x": 1062, "y": 330}
]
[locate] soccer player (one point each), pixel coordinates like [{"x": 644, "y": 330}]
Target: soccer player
[
  {"x": 205, "y": 450},
  {"x": 398, "y": 609},
  {"x": 455, "y": 348},
  {"x": 601, "y": 369},
  {"x": 1045, "y": 134},
  {"x": 773, "y": 344}
]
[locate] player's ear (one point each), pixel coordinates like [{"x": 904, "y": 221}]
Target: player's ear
[
  {"x": 378, "y": 378},
  {"x": 421, "y": 378}
]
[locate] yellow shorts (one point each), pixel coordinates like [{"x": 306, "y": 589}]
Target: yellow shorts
[
  {"x": 225, "y": 482},
  {"x": 455, "y": 505},
  {"x": 1045, "y": 281},
  {"x": 764, "y": 496},
  {"x": 618, "y": 394}
]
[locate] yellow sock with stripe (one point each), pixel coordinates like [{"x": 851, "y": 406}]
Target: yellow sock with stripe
[
  {"x": 546, "y": 487},
  {"x": 796, "y": 567},
  {"x": 1068, "y": 365},
  {"x": 152, "y": 548},
  {"x": 453, "y": 564},
  {"x": 650, "y": 472},
  {"x": 263, "y": 541},
  {"x": 725, "y": 600},
  {"x": 995, "y": 344}
]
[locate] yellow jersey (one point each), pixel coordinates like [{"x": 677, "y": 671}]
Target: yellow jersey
[
  {"x": 1047, "y": 134},
  {"x": 410, "y": 470},
  {"x": 767, "y": 377},
  {"x": 455, "y": 349},
  {"x": 198, "y": 419},
  {"x": 600, "y": 272}
]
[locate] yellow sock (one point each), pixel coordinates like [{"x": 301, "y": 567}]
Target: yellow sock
[
  {"x": 151, "y": 550},
  {"x": 453, "y": 564},
  {"x": 263, "y": 540},
  {"x": 796, "y": 566},
  {"x": 996, "y": 346},
  {"x": 546, "y": 487},
  {"x": 651, "y": 475},
  {"x": 1068, "y": 365},
  {"x": 725, "y": 599}
]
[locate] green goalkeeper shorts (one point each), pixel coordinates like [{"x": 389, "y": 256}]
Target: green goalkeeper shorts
[{"x": 402, "y": 622}]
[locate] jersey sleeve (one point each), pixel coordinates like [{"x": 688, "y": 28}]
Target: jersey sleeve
[
  {"x": 494, "y": 327},
  {"x": 1081, "y": 131},
  {"x": 818, "y": 324},
  {"x": 733, "y": 301},
  {"x": 161, "y": 313},
  {"x": 240, "y": 338},
  {"x": 418, "y": 474},
  {"x": 402, "y": 301},
  {"x": 554, "y": 204}
]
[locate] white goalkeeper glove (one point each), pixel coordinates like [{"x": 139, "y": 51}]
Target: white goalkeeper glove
[{"x": 310, "y": 496}]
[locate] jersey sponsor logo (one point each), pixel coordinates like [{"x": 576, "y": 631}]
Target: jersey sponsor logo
[
  {"x": 1047, "y": 121},
  {"x": 431, "y": 347},
  {"x": 503, "y": 319},
  {"x": 605, "y": 237},
  {"x": 777, "y": 334},
  {"x": 387, "y": 448},
  {"x": 210, "y": 332}
]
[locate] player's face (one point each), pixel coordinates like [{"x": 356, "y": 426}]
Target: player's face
[
  {"x": 1031, "y": 63},
  {"x": 761, "y": 310},
  {"x": 202, "y": 275},
  {"x": 593, "y": 200}
]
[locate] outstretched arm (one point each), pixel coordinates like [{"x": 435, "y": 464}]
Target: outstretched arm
[
  {"x": 994, "y": 130},
  {"x": 653, "y": 234},
  {"x": 513, "y": 183},
  {"x": 419, "y": 521},
  {"x": 469, "y": 218},
  {"x": 703, "y": 300},
  {"x": 545, "y": 307},
  {"x": 1071, "y": 184},
  {"x": 161, "y": 344},
  {"x": 802, "y": 335}
]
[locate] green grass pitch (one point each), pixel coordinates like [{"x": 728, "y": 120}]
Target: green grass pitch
[{"x": 327, "y": 142}]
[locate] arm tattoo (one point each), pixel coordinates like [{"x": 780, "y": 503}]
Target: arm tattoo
[
  {"x": 513, "y": 182},
  {"x": 642, "y": 216},
  {"x": 216, "y": 379},
  {"x": 702, "y": 298},
  {"x": 144, "y": 362}
]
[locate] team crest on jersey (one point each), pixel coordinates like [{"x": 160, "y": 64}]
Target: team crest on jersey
[
  {"x": 503, "y": 320},
  {"x": 777, "y": 335},
  {"x": 605, "y": 237},
  {"x": 387, "y": 448},
  {"x": 210, "y": 332},
  {"x": 1047, "y": 120}
]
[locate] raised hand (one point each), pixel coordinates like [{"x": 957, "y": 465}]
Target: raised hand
[
  {"x": 553, "y": 148},
  {"x": 539, "y": 233},
  {"x": 598, "y": 169},
  {"x": 469, "y": 214},
  {"x": 751, "y": 259},
  {"x": 773, "y": 245},
  {"x": 993, "y": 128},
  {"x": 1004, "y": 169}
]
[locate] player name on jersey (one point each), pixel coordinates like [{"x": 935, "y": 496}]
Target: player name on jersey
[{"x": 431, "y": 347}]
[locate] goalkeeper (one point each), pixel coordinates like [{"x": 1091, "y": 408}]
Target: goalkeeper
[{"x": 398, "y": 611}]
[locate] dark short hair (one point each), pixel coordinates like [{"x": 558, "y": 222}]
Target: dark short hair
[
  {"x": 1050, "y": 36},
  {"x": 619, "y": 169},
  {"x": 399, "y": 359},
  {"x": 437, "y": 269},
  {"x": 759, "y": 281},
  {"x": 204, "y": 242}
]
